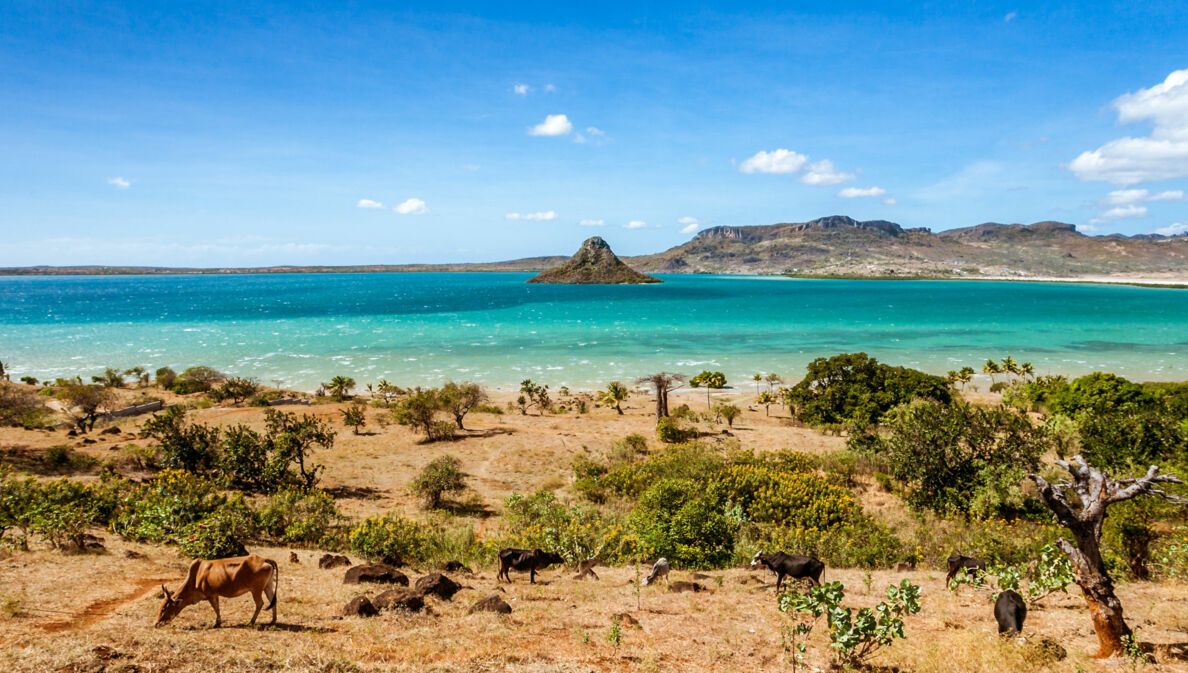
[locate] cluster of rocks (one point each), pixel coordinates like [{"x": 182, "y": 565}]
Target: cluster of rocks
[{"x": 403, "y": 596}]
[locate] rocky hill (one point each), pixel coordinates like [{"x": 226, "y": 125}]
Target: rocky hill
[
  {"x": 593, "y": 263},
  {"x": 842, "y": 246}
]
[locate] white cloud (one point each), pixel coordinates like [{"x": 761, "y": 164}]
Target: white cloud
[
  {"x": 635, "y": 224},
  {"x": 593, "y": 135},
  {"x": 690, "y": 228},
  {"x": 521, "y": 89},
  {"x": 368, "y": 203},
  {"x": 1121, "y": 213},
  {"x": 553, "y": 125},
  {"x": 543, "y": 216},
  {"x": 550, "y": 88},
  {"x": 119, "y": 183},
  {"x": 889, "y": 201},
  {"x": 692, "y": 224},
  {"x": 688, "y": 220},
  {"x": 1160, "y": 156},
  {"x": 592, "y": 223},
  {"x": 859, "y": 192},
  {"x": 780, "y": 162},
  {"x": 823, "y": 173},
  {"x": 1173, "y": 229},
  {"x": 1123, "y": 197},
  {"x": 412, "y": 207},
  {"x": 1011, "y": 16}
]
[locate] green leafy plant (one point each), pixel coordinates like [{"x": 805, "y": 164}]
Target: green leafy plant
[
  {"x": 355, "y": 417},
  {"x": 440, "y": 477},
  {"x": 855, "y": 637}
]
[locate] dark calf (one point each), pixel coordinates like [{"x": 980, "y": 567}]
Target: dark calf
[
  {"x": 971, "y": 565},
  {"x": 1010, "y": 611},
  {"x": 787, "y": 565},
  {"x": 525, "y": 560}
]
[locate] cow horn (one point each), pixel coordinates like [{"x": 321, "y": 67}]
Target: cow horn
[{"x": 166, "y": 592}]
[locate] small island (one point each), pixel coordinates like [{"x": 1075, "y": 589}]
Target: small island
[{"x": 593, "y": 264}]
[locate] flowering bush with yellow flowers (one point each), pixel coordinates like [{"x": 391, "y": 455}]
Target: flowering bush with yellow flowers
[
  {"x": 389, "y": 538},
  {"x": 577, "y": 533},
  {"x": 160, "y": 509},
  {"x": 772, "y": 495},
  {"x": 861, "y": 543}
]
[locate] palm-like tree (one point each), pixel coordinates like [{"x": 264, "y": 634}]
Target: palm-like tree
[
  {"x": 1027, "y": 370},
  {"x": 991, "y": 367},
  {"x": 965, "y": 375},
  {"x": 766, "y": 399},
  {"x": 1010, "y": 366},
  {"x": 772, "y": 379},
  {"x": 756, "y": 377},
  {"x": 614, "y": 395},
  {"x": 340, "y": 387}
]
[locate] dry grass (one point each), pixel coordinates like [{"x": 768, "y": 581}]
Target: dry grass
[{"x": 58, "y": 609}]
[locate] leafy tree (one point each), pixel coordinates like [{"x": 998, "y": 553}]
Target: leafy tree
[
  {"x": 166, "y": 377},
  {"x": 535, "y": 395},
  {"x": 855, "y": 387},
  {"x": 236, "y": 389},
  {"x": 197, "y": 380},
  {"x": 29, "y": 380},
  {"x": 728, "y": 412},
  {"x": 443, "y": 475},
  {"x": 139, "y": 374},
  {"x": 773, "y": 380},
  {"x": 85, "y": 403},
  {"x": 680, "y": 521},
  {"x": 418, "y": 410},
  {"x": 614, "y": 395},
  {"x": 1125, "y": 441},
  {"x": 20, "y": 407},
  {"x": 111, "y": 378},
  {"x": 186, "y": 446},
  {"x": 459, "y": 398},
  {"x": 958, "y": 457},
  {"x": 295, "y": 440},
  {"x": 354, "y": 417},
  {"x": 766, "y": 399},
  {"x": 340, "y": 387}
]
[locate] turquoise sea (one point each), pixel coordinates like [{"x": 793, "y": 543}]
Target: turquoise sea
[{"x": 300, "y": 329}]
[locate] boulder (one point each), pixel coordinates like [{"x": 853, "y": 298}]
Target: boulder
[
  {"x": 293, "y": 557},
  {"x": 408, "y": 600},
  {"x": 329, "y": 561},
  {"x": 492, "y": 603},
  {"x": 682, "y": 586},
  {"x": 439, "y": 585},
  {"x": 360, "y": 606},
  {"x": 456, "y": 567},
  {"x": 375, "y": 573},
  {"x": 113, "y": 430}
]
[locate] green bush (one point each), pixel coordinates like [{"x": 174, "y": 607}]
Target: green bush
[
  {"x": 676, "y": 461},
  {"x": 785, "y": 498},
  {"x": 669, "y": 431},
  {"x": 236, "y": 389},
  {"x": 856, "y": 388},
  {"x": 854, "y": 637},
  {"x": 185, "y": 446},
  {"x": 577, "y": 533},
  {"x": 678, "y": 520},
  {"x": 861, "y": 543},
  {"x": 21, "y": 407},
  {"x": 440, "y": 477},
  {"x": 1128, "y": 441},
  {"x": 166, "y": 506},
  {"x": 166, "y": 377},
  {"x": 389, "y": 538},
  {"x": 300, "y": 516},
  {"x": 196, "y": 380},
  {"x": 222, "y": 533}
]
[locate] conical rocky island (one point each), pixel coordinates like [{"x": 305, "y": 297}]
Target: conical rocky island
[{"x": 594, "y": 264}]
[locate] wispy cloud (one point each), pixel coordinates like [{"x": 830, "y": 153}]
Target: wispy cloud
[
  {"x": 521, "y": 89},
  {"x": 1173, "y": 229},
  {"x": 368, "y": 203},
  {"x": 592, "y": 223},
  {"x": 553, "y": 125},
  {"x": 1011, "y": 16},
  {"x": 635, "y": 224},
  {"x": 543, "y": 216},
  {"x": 823, "y": 173},
  {"x": 1162, "y": 155},
  {"x": 889, "y": 201},
  {"x": 1127, "y": 212},
  {"x": 119, "y": 182},
  {"x": 1123, "y": 197},
  {"x": 593, "y": 135},
  {"x": 779, "y": 162},
  {"x": 412, "y": 207},
  {"x": 692, "y": 224},
  {"x": 860, "y": 192}
]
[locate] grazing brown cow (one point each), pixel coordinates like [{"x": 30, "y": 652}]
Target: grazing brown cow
[{"x": 228, "y": 578}]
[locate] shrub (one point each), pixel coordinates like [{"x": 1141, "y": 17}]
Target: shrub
[
  {"x": 669, "y": 431},
  {"x": 186, "y": 446},
  {"x": 728, "y": 412},
  {"x": 388, "y": 538},
  {"x": 166, "y": 506},
  {"x": 441, "y": 431},
  {"x": 854, "y": 637},
  {"x": 300, "y": 516},
  {"x": 1123, "y": 441},
  {"x": 197, "y": 380},
  {"x": 29, "y": 380},
  {"x": 21, "y": 407},
  {"x": 785, "y": 498},
  {"x": 857, "y": 388},
  {"x": 861, "y": 543},
  {"x": 946, "y": 454},
  {"x": 236, "y": 389},
  {"x": 442, "y": 476},
  {"x": 111, "y": 378},
  {"x": 355, "y": 417},
  {"x": 679, "y": 521},
  {"x": 577, "y": 533},
  {"x": 460, "y": 398},
  {"x": 418, "y": 410},
  {"x": 63, "y": 510},
  {"x": 17, "y": 500},
  {"x": 677, "y": 461},
  {"x": 61, "y": 457},
  {"x": 166, "y": 377},
  {"x": 222, "y": 533},
  {"x": 488, "y": 409}
]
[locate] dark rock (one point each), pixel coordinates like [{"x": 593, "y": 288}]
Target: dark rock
[
  {"x": 293, "y": 557},
  {"x": 456, "y": 567},
  {"x": 113, "y": 430},
  {"x": 88, "y": 440},
  {"x": 72, "y": 433},
  {"x": 682, "y": 586},
  {"x": 360, "y": 606},
  {"x": 408, "y": 600},
  {"x": 594, "y": 263},
  {"x": 329, "y": 561},
  {"x": 375, "y": 573},
  {"x": 701, "y": 576},
  {"x": 492, "y": 603},
  {"x": 133, "y": 554},
  {"x": 439, "y": 585}
]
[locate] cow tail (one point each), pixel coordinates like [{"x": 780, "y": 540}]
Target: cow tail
[{"x": 275, "y": 582}]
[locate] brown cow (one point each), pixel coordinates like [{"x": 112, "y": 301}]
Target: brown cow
[{"x": 228, "y": 578}]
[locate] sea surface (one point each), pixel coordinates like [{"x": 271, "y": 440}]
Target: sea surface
[{"x": 298, "y": 330}]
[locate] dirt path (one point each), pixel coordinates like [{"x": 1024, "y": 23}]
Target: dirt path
[{"x": 104, "y": 608}]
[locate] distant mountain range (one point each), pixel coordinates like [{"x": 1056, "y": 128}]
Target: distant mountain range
[{"x": 838, "y": 246}]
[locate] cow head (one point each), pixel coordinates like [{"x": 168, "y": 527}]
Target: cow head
[
  {"x": 755, "y": 562},
  {"x": 170, "y": 607},
  {"x": 553, "y": 557}
]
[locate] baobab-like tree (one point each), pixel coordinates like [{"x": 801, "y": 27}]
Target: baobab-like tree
[
  {"x": 663, "y": 383},
  {"x": 1094, "y": 492}
]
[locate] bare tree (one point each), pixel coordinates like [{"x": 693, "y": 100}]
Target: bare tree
[
  {"x": 663, "y": 383},
  {"x": 1095, "y": 491}
]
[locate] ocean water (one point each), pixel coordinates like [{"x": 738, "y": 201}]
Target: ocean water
[{"x": 422, "y": 329}]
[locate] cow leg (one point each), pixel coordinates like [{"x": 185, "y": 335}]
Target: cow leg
[
  {"x": 779, "y": 581},
  {"x": 532, "y": 575},
  {"x": 259, "y": 604},
  {"x": 214, "y": 603}
]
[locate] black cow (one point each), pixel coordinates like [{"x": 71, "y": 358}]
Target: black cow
[
  {"x": 970, "y": 564},
  {"x": 529, "y": 560},
  {"x": 796, "y": 567},
  {"x": 1010, "y": 611}
]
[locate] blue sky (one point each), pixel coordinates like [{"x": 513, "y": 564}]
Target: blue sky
[{"x": 212, "y": 134}]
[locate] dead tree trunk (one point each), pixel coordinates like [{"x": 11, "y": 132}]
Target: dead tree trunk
[
  {"x": 1096, "y": 491},
  {"x": 662, "y": 383}
]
